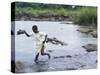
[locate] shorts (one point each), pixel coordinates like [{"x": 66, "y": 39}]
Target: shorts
[{"x": 39, "y": 46}]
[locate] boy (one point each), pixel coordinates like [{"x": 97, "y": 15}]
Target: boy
[{"x": 40, "y": 39}]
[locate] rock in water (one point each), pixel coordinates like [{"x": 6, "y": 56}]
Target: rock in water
[
  {"x": 85, "y": 30},
  {"x": 19, "y": 66},
  {"x": 50, "y": 50},
  {"x": 56, "y": 57},
  {"x": 61, "y": 56},
  {"x": 90, "y": 47},
  {"x": 68, "y": 56},
  {"x": 71, "y": 68},
  {"x": 94, "y": 34},
  {"x": 56, "y": 41}
]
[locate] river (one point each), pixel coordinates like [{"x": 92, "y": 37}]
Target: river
[{"x": 25, "y": 50}]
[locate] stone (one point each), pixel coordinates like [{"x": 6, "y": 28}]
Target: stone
[
  {"x": 61, "y": 56},
  {"x": 19, "y": 65},
  {"x": 68, "y": 56},
  {"x": 50, "y": 50},
  {"x": 84, "y": 30},
  {"x": 55, "y": 57},
  {"x": 94, "y": 34},
  {"x": 71, "y": 68},
  {"x": 90, "y": 47}
]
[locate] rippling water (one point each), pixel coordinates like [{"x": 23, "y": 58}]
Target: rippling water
[{"x": 25, "y": 50}]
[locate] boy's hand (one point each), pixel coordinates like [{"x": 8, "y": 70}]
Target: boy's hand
[{"x": 20, "y": 32}]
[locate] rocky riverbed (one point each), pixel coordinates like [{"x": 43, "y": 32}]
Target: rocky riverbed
[
  {"x": 80, "y": 53},
  {"x": 67, "y": 62}
]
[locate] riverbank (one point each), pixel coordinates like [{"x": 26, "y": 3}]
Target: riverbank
[{"x": 42, "y": 18}]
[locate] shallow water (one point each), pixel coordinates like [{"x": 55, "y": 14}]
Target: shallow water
[{"x": 25, "y": 49}]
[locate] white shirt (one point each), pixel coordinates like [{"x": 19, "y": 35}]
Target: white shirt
[{"x": 39, "y": 38}]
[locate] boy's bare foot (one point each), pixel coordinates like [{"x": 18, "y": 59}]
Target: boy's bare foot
[{"x": 36, "y": 61}]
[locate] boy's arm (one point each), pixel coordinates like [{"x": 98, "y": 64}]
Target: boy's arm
[
  {"x": 45, "y": 39},
  {"x": 43, "y": 43},
  {"x": 19, "y": 32},
  {"x": 27, "y": 34}
]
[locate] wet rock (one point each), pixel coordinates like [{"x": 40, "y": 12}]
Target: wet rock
[
  {"x": 56, "y": 41},
  {"x": 71, "y": 68},
  {"x": 55, "y": 57},
  {"x": 90, "y": 47},
  {"x": 61, "y": 56},
  {"x": 94, "y": 34},
  {"x": 76, "y": 55},
  {"x": 19, "y": 66},
  {"x": 82, "y": 65},
  {"x": 68, "y": 56},
  {"x": 85, "y": 30},
  {"x": 50, "y": 50}
]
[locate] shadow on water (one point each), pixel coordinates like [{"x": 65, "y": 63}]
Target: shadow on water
[{"x": 41, "y": 66}]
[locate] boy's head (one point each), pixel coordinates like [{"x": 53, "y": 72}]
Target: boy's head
[{"x": 35, "y": 29}]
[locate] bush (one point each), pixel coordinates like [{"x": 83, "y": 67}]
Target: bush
[{"x": 86, "y": 16}]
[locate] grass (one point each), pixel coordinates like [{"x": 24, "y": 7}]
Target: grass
[
  {"x": 86, "y": 16},
  {"x": 43, "y": 12},
  {"x": 81, "y": 16}
]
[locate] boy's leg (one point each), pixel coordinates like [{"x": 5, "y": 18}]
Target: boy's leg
[
  {"x": 47, "y": 55},
  {"x": 36, "y": 57},
  {"x": 42, "y": 53}
]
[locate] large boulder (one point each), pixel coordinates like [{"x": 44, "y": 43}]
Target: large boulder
[
  {"x": 90, "y": 47},
  {"x": 84, "y": 30},
  {"x": 19, "y": 67},
  {"x": 94, "y": 34}
]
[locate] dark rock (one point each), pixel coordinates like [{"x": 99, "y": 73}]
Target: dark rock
[
  {"x": 50, "y": 50},
  {"x": 94, "y": 34},
  {"x": 90, "y": 47},
  {"x": 55, "y": 41},
  {"x": 61, "y": 56},
  {"x": 19, "y": 65},
  {"x": 71, "y": 68},
  {"x": 76, "y": 55},
  {"x": 82, "y": 65},
  {"x": 68, "y": 56},
  {"x": 55, "y": 57}
]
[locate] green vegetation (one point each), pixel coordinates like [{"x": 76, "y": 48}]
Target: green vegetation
[
  {"x": 86, "y": 16},
  {"x": 82, "y": 15},
  {"x": 45, "y": 10}
]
